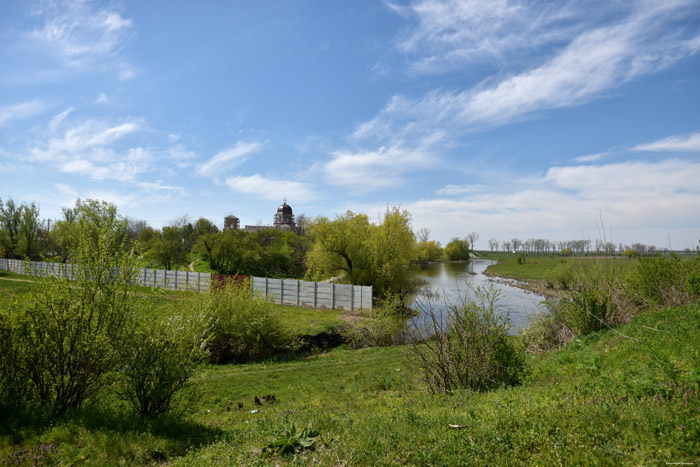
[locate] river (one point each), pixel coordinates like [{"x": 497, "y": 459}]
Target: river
[{"x": 449, "y": 281}]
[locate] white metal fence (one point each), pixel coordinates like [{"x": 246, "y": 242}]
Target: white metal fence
[
  {"x": 284, "y": 291},
  {"x": 314, "y": 294}
]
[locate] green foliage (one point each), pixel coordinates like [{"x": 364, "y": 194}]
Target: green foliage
[
  {"x": 291, "y": 441},
  {"x": 429, "y": 250},
  {"x": 245, "y": 326},
  {"x": 630, "y": 253},
  {"x": 69, "y": 330},
  {"x": 566, "y": 252},
  {"x": 363, "y": 253},
  {"x": 663, "y": 281},
  {"x": 384, "y": 324},
  {"x": 19, "y": 230},
  {"x": 588, "y": 311},
  {"x": 457, "y": 250},
  {"x": 467, "y": 346},
  {"x": 159, "y": 357},
  {"x": 546, "y": 330},
  {"x": 561, "y": 276}
]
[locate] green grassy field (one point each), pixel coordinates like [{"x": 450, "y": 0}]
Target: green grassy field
[{"x": 630, "y": 397}]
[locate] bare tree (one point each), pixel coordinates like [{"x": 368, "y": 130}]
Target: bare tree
[
  {"x": 493, "y": 244},
  {"x": 472, "y": 237},
  {"x": 423, "y": 234}
]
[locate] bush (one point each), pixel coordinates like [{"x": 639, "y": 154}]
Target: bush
[
  {"x": 588, "y": 311},
  {"x": 384, "y": 324},
  {"x": 546, "y": 330},
  {"x": 244, "y": 325},
  {"x": 562, "y": 276},
  {"x": 160, "y": 357},
  {"x": 663, "y": 281},
  {"x": 467, "y": 346},
  {"x": 65, "y": 336}
]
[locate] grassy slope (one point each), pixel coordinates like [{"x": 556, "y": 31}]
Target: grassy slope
[{"x": 606, "y": 399}]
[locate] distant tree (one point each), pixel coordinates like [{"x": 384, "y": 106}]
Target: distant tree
[
  {"x": 302, "y": 223},
  {"x": 493, "y": 244},
  {"x": 472, "y": 237},
  {"x": 429, "y": 251},
  {"x": 168, "y": 249},
  {"x": 457, "y": 249},
  {"x": 423, "y": 234},
  {"x": 10, "y": 221},
  {"x": 516, "y": 244},
  {"x": 29, "y": 231}
]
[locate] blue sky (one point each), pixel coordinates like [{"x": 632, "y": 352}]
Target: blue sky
[{"x": 510, "y": 119}]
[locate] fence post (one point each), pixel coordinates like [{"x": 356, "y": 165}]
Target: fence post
[
  {"x": 333, "y": 297},
  {"x": 281, "y": 291},
  {"x": 266, "y": 288},
  {"x": 298, "y": 291},
  {"x": 352, "y": 298},
  {"x": 315, "y": 293}
]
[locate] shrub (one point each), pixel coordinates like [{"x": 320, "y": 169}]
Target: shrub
[
  {"x": 468, "y": 346},
  {"x": 159, "y": 358},
  {"x": 562, "y": 276},
  {"x": 546, "y": 330},
  {"x": 65, "y": 336},
  {"x": 244, "y": 325},
  {"x": 663, "y": 281},
  {"x": 384, "y": 324},
  {"x": 588, "y": 311}
]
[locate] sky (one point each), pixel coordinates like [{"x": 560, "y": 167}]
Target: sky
[{"x": 559, "y": 120}]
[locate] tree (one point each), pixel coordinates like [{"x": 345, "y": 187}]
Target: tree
[
  {"x": 457, "y": 249},
  {"x": 472, "y": 237},
  {"x": 363, "y": 253},
  {"x": 10, "y": 220},
  {"x": 423, "y": 234},
  {"x": 29, "y": 230},
  {"x": 339, "y": 247},
  {"x": 168, "y": 249},
  {"x": 493, "y": 244},
  {"x": 429, "y": 251}
]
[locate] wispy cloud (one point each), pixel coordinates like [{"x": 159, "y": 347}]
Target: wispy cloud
[
  {"x": 461, "y": 189},
  {"x": 20, "y": 111},
  {"x": 85, "y": 34},
  {"x": 276, "y": 190},
  {"x": 229, "y": 158},
  {"x": 375, "y": 169},
  {"x": 683, "y": 143},
  {"x": 445, "y": 34}
]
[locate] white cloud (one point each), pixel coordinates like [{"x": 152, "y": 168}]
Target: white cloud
[
  {"x": 646, "y": 198},
  {"x": 101, "y": 98},
  {"x": 460, "y": 189},
  {"x": 266, "y": 188},
  {"x": 84, "y": 34},
  {"x": 591, "y": 157},
  {"x": 229, "y": 158},
  {"x": 685, "y": 143},
  {"x": 19, "y": 111}
]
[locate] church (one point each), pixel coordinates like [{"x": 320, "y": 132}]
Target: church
[{"x": 283, "y": 220}]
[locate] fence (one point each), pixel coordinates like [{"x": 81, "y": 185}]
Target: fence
[
  {"x": 170, "y": 280},
  {"x": 314, "y": 294},
  {"x": 284, "y": 291}
]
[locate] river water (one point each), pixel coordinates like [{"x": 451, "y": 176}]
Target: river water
[{"x": 448, "y": 282}]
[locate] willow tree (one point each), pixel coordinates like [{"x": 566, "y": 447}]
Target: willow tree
[{"x": 362, "y": 253}]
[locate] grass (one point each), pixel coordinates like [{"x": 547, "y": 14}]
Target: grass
[{"x": 605, "y": 399}]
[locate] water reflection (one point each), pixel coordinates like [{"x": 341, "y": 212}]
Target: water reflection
[{"x": 448, "y": 282}]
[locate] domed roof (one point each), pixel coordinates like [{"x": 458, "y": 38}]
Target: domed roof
[{"x": 284, "y": 209}]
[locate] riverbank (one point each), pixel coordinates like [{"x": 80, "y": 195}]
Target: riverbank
[{"x": 602, "y": 400}]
